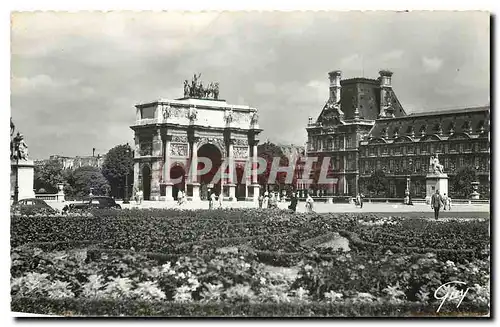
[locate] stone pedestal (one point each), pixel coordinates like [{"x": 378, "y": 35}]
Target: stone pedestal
[
  {"x": 168, "y": 192},
  {"x": 435, "y": 182},
  {"x": 196, "y": 192},
  {"x": 256, "y": 190},
  {"x": 475, "y": 194},
  {"x": 232, "y": 191},
  {"x": 25, "y": 171}
]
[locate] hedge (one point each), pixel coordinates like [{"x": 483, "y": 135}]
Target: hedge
[
  {"x": 448, "y": 254},
  {"x": 73, "y": 307}
]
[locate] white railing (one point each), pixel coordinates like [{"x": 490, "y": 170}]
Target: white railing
[{"x": 59, "y": 197}]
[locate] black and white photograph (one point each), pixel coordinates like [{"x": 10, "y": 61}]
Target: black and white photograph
[{"x": 250, "y": 164}]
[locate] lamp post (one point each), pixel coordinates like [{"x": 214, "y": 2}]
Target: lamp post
[
  {"x": 16, "y": 153},
  {"x": 126, "y": 199},
  {"x": 16, "y": 186}
]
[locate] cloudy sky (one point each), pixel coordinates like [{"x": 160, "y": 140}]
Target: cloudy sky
[{"x": 75, "y": 78}]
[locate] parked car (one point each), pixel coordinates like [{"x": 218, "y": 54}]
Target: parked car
[
  {"x": 33, "y": 206},
  {"x": 95, "y": 202}
]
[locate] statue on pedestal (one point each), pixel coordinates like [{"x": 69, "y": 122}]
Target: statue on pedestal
[
  {"x": 18, "y": 148},
  {"x": 197, "y": 90},
  {"x": 434, "y": 166}
]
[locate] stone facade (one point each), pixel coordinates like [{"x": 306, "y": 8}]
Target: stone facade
[
  {"x": 75, "y": 162},
  {"x": 363, "y": 127},
  {"x": 170, "y": 136}
]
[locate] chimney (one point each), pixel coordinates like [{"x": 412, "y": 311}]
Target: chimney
[
  {"x": 335, "y": 78},
  {"x": 310, "y": 120},
  {"x": 385, "y": 94}
]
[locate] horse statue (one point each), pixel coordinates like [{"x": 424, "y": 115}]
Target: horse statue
[{"x": 435, "y": 167}]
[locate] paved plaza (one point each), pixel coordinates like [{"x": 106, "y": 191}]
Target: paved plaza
[{"x": 457, "y": 211}]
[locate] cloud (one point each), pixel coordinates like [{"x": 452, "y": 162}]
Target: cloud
[
  {"x": 392, "y": 55},
  {"x": 353, "y": 61},
  {"x": 431, "y": 65},
  {"x": 76, "y": 77}
]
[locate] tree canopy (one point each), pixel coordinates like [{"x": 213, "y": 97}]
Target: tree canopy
[
  {"x": 118, "y": 162},
  {"x": 82, "y": 179},
  {"x": 461, "y": 183},
  {"x": 269, "y": 151},
  {"x": 48, "y": 174},
  {"x": 378, "y": 183}
]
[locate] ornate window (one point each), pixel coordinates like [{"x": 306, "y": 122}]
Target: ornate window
[
  {"x": 329, "y": 144},
  {"x": 417, "y": 149},
  {"x": 467, "y": 147},
  {"x": 446, "y": 148},
  {"x": 461, "y": 148},
  {"x": 461, "y": 162},
  {"x": 417, "y": 164},
  {"x": 391, "y": 165}
]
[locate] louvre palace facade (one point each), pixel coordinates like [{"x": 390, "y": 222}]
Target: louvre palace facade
[{"x": 363, "y": 128}]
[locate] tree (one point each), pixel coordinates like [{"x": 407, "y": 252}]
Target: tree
[
  {"x": 48, "y": 174},
  {"x": 269, "y": 151},
  {"x": 378, "y": 183},
  {"x": 117, "y": 164},
  {"x": 461, "y": 183},
  {"x": 82, "y": 179}
]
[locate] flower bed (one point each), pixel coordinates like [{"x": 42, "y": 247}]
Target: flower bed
[
  {"x": 67, "y": 282},
  {"x": 160, "y": 262}
]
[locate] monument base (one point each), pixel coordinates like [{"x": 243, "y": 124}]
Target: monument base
[
  {"x": 435, "y": 182},
  {"x": 232, "y": 192},
  {"x": 196, "y": 192},
  {"x": 25, "y": 170},
  {"x": 256, "y": 190},
  {"x": 168, "y": 192}
]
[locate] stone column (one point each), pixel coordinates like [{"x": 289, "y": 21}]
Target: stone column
[
  {"x": 231, "y": 185},
  {"x": 156, "y": 171},
  {"x": 137, "y": 154},
  {"x": 166, "y": 170},
  {"x": 255, "y": 183},
  {"x": 193, "y": 171}
]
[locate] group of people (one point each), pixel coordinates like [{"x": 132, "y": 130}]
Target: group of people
[
  {"x": 438, "y": 202},
  {"x": 214, "y": 200},
  {"x": 138, "y": 196},
  {"x": 271, "y": 202}
]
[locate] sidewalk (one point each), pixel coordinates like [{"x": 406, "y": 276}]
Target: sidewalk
[{"x": 458, "y": 209}]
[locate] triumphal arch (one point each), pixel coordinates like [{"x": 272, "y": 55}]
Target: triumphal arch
[{"x": 174, "y": 139}]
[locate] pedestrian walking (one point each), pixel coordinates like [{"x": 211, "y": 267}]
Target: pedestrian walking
[
  {"x": 445, "y": 201},
  {"x": 265, "y": 202},
  {"x": 436, "y": 203},
  {"x": 139, "y": 195},
  {"x": 272, "y": 201},
  {"x": 220, "y": 199},
  {"x": 261, "y": 199},
  {"x": 293, "y": 202},
  {"x": 180, "y": 198},
  {"x": 359, "y": 200},
  {"x": 448, "y": 202},
  {"x": 309, "y": 203},
  {"x": 211, "y": 200}
]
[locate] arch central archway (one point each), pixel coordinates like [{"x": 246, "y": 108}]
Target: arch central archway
[
  {"x": 212, "y": 153},
  {"x": 178, "y": 174}
]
